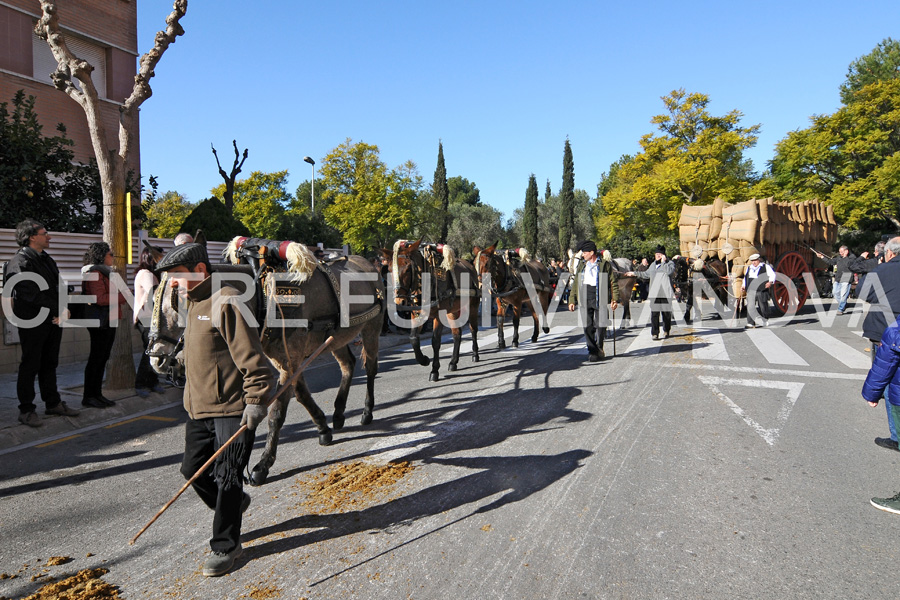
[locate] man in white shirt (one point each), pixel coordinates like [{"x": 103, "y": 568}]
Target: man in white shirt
[{"x": 758, "y": 268}]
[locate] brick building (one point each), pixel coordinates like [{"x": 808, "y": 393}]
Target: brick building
[{"x": 103, "y": 32}]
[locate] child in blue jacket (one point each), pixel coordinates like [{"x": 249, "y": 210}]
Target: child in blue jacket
[{"x": 884, "y": 375}]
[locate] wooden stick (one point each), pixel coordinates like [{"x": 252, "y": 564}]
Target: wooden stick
[{"x": 237, "y": 434}]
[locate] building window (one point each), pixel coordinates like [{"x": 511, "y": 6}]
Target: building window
[{"x": 45, "y": 63}]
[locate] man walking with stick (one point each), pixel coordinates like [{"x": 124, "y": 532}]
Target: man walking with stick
[
  {"x": 229, "y": 383},
  {"x": 594, "y": 279}
]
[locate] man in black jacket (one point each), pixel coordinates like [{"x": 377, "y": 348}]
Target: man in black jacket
[
  {"x": 884, "y": 282},
  {"x": 36, "y": 313},
  {"x": 843, "y": 276}
]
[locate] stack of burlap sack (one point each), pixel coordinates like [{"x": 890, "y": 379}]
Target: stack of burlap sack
[{"x": 733, "y": 232}]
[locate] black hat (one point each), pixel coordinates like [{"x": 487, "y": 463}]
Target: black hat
[
  {"x": 586, "y": 246},
  {"x": 184, "y": 255},
  {"x": 660, "y": 249}
]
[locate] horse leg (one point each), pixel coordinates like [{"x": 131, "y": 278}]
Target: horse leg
[
  {"x": 417, "y": 350},
  {"x": 545, "y": 305},
  {"x": 370, "y": 362},
  {"x": 347, "y": 361},
  {"x": 277, "y": 414},
  {"x": 457, "y": 340},
  {"x": 516, "y": 310},
  {"x": 537, "y": 326},
  {"x": 436, "y": 332},
  {"x": 501, "y": 317},
  {"x": 318, "y": 417}
]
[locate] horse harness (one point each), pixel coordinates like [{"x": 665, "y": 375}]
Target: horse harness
[{"x": 446, "y": 286}]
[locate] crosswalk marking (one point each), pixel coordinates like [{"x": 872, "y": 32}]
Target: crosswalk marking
[
  {"x": 708, "y": 345},
  {"x": 774, "y": 349},
  {"x": 644, "y": 345},
  {"x": 843, "y": 352}
]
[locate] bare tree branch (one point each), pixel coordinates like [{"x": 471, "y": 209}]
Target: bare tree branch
[{"x": 228, "y": 196}]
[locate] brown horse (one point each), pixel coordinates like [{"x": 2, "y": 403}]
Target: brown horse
[
  {"x": 429, "y": 279},
  {"x": 276, "y": 272},
  {"x": 713, "y": 270},
  {"x": 507, "y": 269}
]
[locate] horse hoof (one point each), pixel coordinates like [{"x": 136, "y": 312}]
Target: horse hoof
[
  {"x": 475, "y": 358},
  {"x": 501, "y": 345},
  {"x": 546, "y": 330},
  {"x": 258, "y": 476},
  {"x": 451, "y": 367},
  {"x": 337, "y": 422},
  {"x": 433, "y": 376},
  {"x": 366, "y": 418},
  {"x": 325, "y": 439},
  {"x": 515, "y": 344}
]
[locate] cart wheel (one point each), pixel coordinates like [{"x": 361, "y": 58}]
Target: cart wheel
[{"x": 793, "y": 266}]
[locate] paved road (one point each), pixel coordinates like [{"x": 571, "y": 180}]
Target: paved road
[{"x": 721, "y": 462}]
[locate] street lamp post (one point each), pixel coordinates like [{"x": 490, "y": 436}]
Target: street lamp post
[{"x": 312, "y": 187}]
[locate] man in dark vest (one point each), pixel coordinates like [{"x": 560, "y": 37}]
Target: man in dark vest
[
  {"x": 41, "y": 337},
  {"x": 758, "y": 268},
  {"x": 595, "y": 281}
]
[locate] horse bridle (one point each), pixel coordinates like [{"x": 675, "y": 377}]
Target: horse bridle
[
  {"x": 508, "y": 275},
  {"x": 155, "y": 335}
]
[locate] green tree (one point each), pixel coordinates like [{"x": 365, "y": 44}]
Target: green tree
[
  {"x": 849, "y": 159},
  {"x": 880, "y": 64},
  {"x": 479, "y": 225},
  {"x": 260, "y": 201},
  {"x": 370, "y": 205},
  {"x": 547, "y": 192},
  {"x": 213, "y": 218},
  {"x": 463, "y": 191},
  {"x": 530, "y": 215},
  {"x": 567, "y": 201},
  {"x": 697, "y": 157},
  {"x": 165, "y": 214},
  {"x": 547, "y": 246},
  {"x": 309, "y": 229},
  {"x": 441, "y": 192},
  {"x": 303, "y": 195},
  {"x": 38, "y": 178}
]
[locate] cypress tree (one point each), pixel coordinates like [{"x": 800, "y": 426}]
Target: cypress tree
[
  {"x": 547, "y": 192},
  {"x": 567, "y": 202},
  {"x": 530, "y": 217},
  {"x": 442, "y": 192}
]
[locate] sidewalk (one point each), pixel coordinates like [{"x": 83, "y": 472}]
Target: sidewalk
[{"x": 70, "y": 381}]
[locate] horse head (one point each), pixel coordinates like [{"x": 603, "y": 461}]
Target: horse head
[
  {"x": 488, "y": 263},
  {"x": 166, "y": 337},
  {"x": 406, "y": 266}
]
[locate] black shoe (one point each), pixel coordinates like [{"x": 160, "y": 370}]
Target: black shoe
[
  {"x": 106, "y": 400},
  {"x": 593, "y": 358},
  {"x": 666, "y": 336},
  {"x": 887, "y": 443},
  {"x": 93, "y": 402}
]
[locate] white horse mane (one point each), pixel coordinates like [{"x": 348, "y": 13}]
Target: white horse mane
[
  {"x": 449, "y": 258},
  {"x": 523, "y": 255}
]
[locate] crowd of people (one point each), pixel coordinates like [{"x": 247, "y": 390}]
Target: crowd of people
[{"x": 246, "y": 380}]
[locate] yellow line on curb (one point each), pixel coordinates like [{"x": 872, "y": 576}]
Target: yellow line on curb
[
  {"x": 71, "y": 437},
  {"x": 145, "y": 417}
]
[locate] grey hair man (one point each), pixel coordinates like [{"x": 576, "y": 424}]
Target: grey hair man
[{"x": 183, "y": 238}]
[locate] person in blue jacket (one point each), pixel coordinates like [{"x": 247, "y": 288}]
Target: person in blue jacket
[{"x": 885, "y": 375}]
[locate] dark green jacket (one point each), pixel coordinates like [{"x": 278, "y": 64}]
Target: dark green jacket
[{"x": 612, "y": 285}]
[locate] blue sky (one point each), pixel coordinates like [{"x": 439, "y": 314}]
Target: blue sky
[{"x": 501, "y": 84}]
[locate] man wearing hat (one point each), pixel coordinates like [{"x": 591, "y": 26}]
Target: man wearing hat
[
  {"x": 758, "y": 268},
  {"x": 591, "y": 273},
  {"x": 229, "y": 382},
  {"x": 660, "y": 305}
]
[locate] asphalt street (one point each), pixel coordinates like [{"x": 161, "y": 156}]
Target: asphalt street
[{"x": 719, "y": 463}]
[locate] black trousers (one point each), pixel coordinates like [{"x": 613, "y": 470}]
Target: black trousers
[
  {"x": 220, "y": 487},
  {"x": 762, "y": 305},
  {"x": 40, "y": 356},
  {"x": 654, "y": 317},
  {"x": 102, "y": 339},
  {"x": 593, "y": 334},
  {"x": 146, "y": 377}
]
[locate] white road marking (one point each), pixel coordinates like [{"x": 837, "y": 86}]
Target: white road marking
[
  {"x": 709, "y": 344},
  {"x": 763, "y": 371},
  {"x": 845, "y": 353},
  {"x": 793, "y": 389},
  {"x": 774, "y": 349},
  {"x": 644, "y": 345}
]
